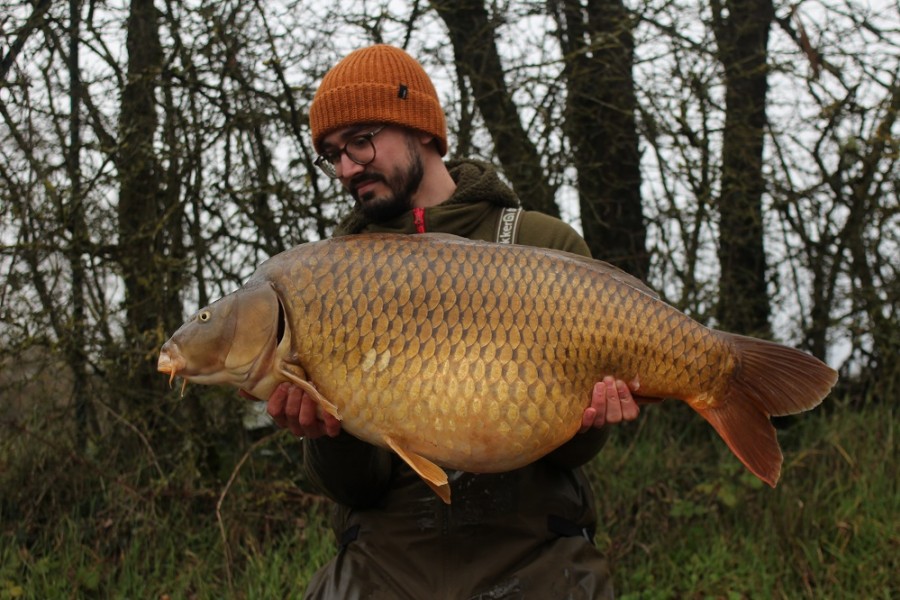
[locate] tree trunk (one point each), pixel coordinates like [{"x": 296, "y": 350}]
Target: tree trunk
[
  {"x": 73, "y": 217},
  {"x": 742, "y": 37},
  {"x": 598, "y": 51},
  {"x": 473, "y": 36},
  {"x": 139, "y": 208}
]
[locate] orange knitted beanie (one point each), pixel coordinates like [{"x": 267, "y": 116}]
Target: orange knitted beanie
[{"x": 378, "y": 84}]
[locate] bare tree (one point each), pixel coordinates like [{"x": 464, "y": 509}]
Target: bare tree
[
  {"x": 140, "y": 202},
  {"x": 742, "y": 31},
  {"x": 835, "y": 188},
  {"x": 598, "y": 55},
  {"x": 73, "y": 219},
  {"x": 473, "y": 34}
]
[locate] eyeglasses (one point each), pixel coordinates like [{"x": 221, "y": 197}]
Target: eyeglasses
[{"x": 360, "y": 150}]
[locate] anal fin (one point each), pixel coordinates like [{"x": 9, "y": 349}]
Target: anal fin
[{"x": 430, "y": 473}]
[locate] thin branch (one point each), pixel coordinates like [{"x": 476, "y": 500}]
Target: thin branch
[{"x": 31, "y": 25}]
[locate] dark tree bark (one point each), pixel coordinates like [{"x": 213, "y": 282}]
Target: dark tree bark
[
  {"x": 139, "y": 208},
  {"x": 742, "y": 31},
  {"x": 598, "y": 50},
  {"x": 473, "y": 36},
  {"x": 73, "y": 218}
]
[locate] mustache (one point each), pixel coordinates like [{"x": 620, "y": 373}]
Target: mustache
[{"x": 364, "y": 178}]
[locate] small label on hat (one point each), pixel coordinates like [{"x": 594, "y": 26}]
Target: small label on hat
[{"x": 402, "y": 92}]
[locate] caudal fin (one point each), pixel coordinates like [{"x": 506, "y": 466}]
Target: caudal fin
[{"x": 768, "y": 380}]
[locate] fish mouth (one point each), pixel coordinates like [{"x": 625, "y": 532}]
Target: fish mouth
[{"x": 169, "y": 363}]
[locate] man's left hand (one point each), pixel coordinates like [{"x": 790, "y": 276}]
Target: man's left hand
[{"x": 611, "y": 403}]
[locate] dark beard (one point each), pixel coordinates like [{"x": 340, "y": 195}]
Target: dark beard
[{"x": 402, "y": 186}]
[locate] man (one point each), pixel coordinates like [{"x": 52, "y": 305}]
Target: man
[{"x": 379, "y": 129}]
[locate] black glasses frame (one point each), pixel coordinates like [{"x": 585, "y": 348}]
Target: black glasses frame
[{"x": 329, "y": 161}]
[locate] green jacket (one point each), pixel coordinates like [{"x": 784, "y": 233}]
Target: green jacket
[{"x": 525, "y": 531}]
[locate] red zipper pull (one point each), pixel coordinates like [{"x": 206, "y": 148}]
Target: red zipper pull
[{"x": 419, "y": 219}]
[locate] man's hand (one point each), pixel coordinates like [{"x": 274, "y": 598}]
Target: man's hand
[
  {"x": 611, "y": 402},
  {"x": 292, "y": 408}
]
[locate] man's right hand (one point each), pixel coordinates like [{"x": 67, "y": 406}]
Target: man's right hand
[{"x": 292, "y": 408}]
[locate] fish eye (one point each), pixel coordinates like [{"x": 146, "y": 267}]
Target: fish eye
[{"x": 204, "y": 316}]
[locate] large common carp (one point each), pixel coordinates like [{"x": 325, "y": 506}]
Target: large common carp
[{"x": 481, "y": 357}]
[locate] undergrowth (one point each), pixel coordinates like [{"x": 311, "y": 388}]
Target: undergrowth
[
  {"x": 683, "y": 519},
  {"x": 679, "y": 516}
]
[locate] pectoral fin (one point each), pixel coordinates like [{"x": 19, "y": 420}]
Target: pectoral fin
[
  {"x": 430, "y": 473},
  {"x": 302, "y": 383}
]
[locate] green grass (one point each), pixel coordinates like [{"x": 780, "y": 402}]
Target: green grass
[
  {"x": 178, "y": 557},
  {"x": 680, "y": 518},
  {"x": 684, "y": 517}
]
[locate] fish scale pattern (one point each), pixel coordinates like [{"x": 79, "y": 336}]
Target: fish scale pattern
[{"x": 446, "y": 346}]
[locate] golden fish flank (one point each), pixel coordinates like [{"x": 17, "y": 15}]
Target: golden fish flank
[{"x": 481, "y": 357}]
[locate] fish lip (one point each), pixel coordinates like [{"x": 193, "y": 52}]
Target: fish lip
[
  {"x": 171, "y": 363},
  {"x": 168, "y": 363}
]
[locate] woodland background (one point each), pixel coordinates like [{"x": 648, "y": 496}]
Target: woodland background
[{"x": 739, "y": 155}]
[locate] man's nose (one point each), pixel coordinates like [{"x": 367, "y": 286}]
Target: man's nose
[{"x": 347, "y": 168}]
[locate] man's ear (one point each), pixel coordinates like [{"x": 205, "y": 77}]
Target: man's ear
[
  {"x": 429, "y": 141},
  {"x": 425, "y": 138}
]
